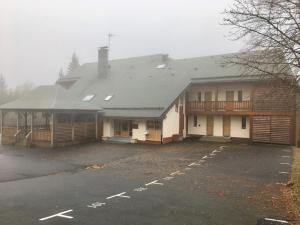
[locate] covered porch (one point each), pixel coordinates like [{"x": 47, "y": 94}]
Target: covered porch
[{"x": 49, "y": 128}]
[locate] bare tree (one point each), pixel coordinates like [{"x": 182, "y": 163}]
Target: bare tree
[{"x": 271, "y": 29}]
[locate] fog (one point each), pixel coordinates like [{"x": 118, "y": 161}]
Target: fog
[{"x": 38, "y": 37}]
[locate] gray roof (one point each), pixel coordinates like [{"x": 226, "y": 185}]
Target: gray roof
[{"x": 137, "y": 86}]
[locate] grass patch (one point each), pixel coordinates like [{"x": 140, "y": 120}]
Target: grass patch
[{"x": 296, "y": 177}]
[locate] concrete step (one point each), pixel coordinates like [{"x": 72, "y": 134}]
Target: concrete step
[
  {"x": 116, "y": 139},
  {"x": 215, "y": 139}
]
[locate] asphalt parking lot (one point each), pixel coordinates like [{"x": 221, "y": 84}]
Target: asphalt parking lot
[{"x": 180, "y": 183}]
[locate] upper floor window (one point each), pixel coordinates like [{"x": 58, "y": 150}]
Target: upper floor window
[
  {"x": 240, "y": 96},
  {"x": 199, "y": 96}
]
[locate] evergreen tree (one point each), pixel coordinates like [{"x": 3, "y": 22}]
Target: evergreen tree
[
  {"x": 74, "y": 63},
  {"x": 61, "y": 74}
]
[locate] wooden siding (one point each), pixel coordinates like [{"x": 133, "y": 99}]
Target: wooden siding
[
  {"x": 62, "y": 133},
  {"x": 273, "y": 100},
  {"x": 41, "y": 135},
  {"x": 272, "y": 129},
  {"x": 8, "y": 135}
]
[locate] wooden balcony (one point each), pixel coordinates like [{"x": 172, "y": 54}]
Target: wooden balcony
[{"x": 219, "y": 106}]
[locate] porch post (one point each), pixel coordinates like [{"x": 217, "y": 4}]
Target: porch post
[
  {"x": 52, "y": 129},
  {"x": 18, "y": 121},
  {"x": 96, "y": 120},
  {"x": 72, "y": 125},
  {"x": 31, "y": 125},
  {"x": 2, "y": 119}
]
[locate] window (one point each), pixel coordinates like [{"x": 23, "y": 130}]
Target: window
[
  {"x": 244, "y": 122},
  {"x": 63, "y": 118},
  {"x": 195, "y": 121},
  {"x": 88, "y": 98},
  {"x": 135, "y": 125},
  {"x": 240, "y": 96},
  {"x": 199, "y": 96},
  {"x": 108, "y": 97},
  {"x": 154, "y": 124}
]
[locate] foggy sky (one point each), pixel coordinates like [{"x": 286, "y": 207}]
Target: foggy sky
[{"x": 38, "y": 37}]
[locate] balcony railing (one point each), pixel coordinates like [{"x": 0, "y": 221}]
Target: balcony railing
[{"x": 219, "y": 106}]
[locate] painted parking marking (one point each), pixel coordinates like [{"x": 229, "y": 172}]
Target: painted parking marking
[
  {"x": 177, "y": 173},
  {"x": 96, "y": 204},
  {"x": 283, "y": 173},
  {"x": 168, "y": 178},
  {"x": 279, "y": 221},
  {"x": 286, "y": 150},
  {"x": 285, "y": 156},
  {"x": 201, "y": 161},
  {"x": 61, "y": 214},
  {"x": 285, "y": 164},
  {"x": 278, "y": 183},
  {"x": 212, "y": 154},
  {"x": 187, "y": 168},
  {"x": 204, "y": 157},
  {"x": 222, "y": 147},
  {"x": 194, "y": 164},
  {"x": 121, "y": 195},
  {"x": 140, "y": 189},
  {"x": 153, "y": 183}
]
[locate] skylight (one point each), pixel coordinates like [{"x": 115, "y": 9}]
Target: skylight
[
  {"x": 88, "y": 98},
  {"x": 161, "y": 66},
  {"x": 108, "y": 97}
]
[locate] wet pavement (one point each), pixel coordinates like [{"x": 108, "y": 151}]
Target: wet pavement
[{"x": 179, "y": 183}]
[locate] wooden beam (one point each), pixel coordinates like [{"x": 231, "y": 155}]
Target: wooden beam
[
  {"x": 2, "y": 119},
  {"x": 31, "y": 124}
]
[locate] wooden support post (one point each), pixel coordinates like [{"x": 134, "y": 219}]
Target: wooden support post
[
  {"x": 31, "y": 125},
  {"x": 72, "y": 126},
  {"x": 52, "y": 129},
  {"x": 2, "y": 119},
  {"x": 96, "y": 118},
  {"x": 18, "y": 116}
]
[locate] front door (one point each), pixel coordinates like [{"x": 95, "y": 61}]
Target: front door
[
  {"x": 208, "y": 100},
  {"x": 226, "y": 126},
  {"x": 123, "y": 128},
  {"x": 154, "y": 130},
  {"x": 210, "y": 126}
]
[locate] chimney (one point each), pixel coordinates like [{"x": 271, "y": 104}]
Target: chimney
[{"x": 103, "y": 62}]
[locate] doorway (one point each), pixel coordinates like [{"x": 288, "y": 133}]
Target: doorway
[
  {"x": 210, "y": 126},
  {"x": 226, "y": 126},
  {"x": 123, "y": 128}
]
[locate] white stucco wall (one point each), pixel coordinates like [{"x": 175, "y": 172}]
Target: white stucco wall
[
  {"x": 193, "y": 92},
  {"x": 218, "y": 126},
  {"x": 201, "y": 125},
  {"x": 236, "y": 127},
  {"x": 139, "y": 133},
  {"x": 171, "y": 123},
  {"x": 108, "y": 130}
]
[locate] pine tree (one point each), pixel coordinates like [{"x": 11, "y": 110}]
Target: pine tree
[
  {"x": 74, "y": 63},
  {"x": 61, "y": 74}
]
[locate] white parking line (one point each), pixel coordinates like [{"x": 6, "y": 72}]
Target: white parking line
[
  {"x": 154, "y": 182},
  {"x": 139, "y": 189},
  {"x": 285, "y": 156},
  {"x": 274, "y": 220},
  {"x": 194, "y": 164},
  {"x": 177, "y": 173},
  {"x": 61, "y": 214},
  {"x": 204, "y": 157},
  {"x": 168, "y": 178},
  {"x": 187, "y": 168},
  {"x": 121, "y": 195},
  {"x": 285, "y": 164},
  {"x": 212, "y": 154},
  {"x": 96, "y": 204},
  {"x": 283, "y": 173},
  {"x": 286, "y": 150}
]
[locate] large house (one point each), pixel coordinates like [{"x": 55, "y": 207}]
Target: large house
[{"x": 152, "y": 99}]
